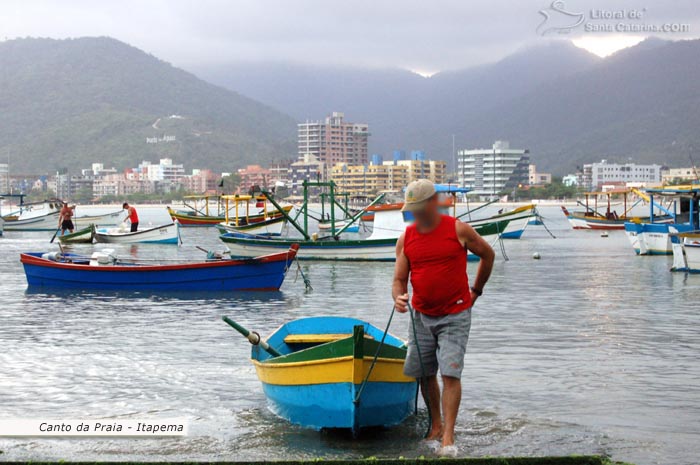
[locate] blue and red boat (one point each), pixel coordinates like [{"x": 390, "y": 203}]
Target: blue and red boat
[{"x": 103, "y": 271}]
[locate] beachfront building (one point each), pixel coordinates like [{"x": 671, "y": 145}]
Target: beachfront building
[
  {"x": 680, "y": 175},
  {"x": 334, "y": 141},
  {"x": 596, "y": 175},
  {"x": 308, "y": 168},
  {"x": 536, "y": 178},
  {"x": 370, "y": 179},
  {"x": 253, "y": 176},
  {"x": 420, "y": 168},
  {"x": 491, "y": 171}
]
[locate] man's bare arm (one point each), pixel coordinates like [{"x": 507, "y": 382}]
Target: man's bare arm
[
  {"x": 474, "y": 243},
  {"x": 399, "y": 288}
]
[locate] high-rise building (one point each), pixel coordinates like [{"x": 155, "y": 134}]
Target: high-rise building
[
  {"x": 489, "y": 172},
  {"x": 334, "y": 141}
]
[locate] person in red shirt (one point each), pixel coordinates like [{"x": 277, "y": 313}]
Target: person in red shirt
[
  {"x": 432, "y": 253},
  {"x": 132, "y": 216}
]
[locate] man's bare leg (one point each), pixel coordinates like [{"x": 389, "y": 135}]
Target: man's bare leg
[
  {"x": 451, "y": 397},
  {"x": 431, "y": 395}
]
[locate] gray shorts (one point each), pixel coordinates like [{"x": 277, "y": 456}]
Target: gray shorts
[{"x": 442, "y": 341}]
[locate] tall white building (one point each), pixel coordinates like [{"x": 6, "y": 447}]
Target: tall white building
[
  {"x": 4, "y": 178},
  {"x": 491, "y": 171},
  {"x": 596, "y": 175}
]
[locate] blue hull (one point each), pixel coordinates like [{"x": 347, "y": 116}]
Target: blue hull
[
  {"x": 225, "y": 275},
  {"x": 330, "y": 405},
  {"x": 513, "y": 234}
]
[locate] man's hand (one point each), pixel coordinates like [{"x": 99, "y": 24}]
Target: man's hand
[
  {"x": 401, "y": 303},
  {"x": 474, "y": 296}
]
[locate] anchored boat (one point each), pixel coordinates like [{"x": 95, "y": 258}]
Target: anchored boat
[
  {"x": 654, "y": 237},
  {"x": 330, "y": 247},
  {"x": 104, "y": 271},
  {"x": 240, "y": 220},
  {"x": 333, "y": 372},
  {"x": 33, "y": 216},
  {"x": 592, "y": 218},
  {"x": 166, "y": 234},
  {"x": 210, "y": 210}
]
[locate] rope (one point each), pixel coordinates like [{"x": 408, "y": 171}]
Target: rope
[
  {"x": 307, "y": 281},
  {"x": 420, "y": 358},
  {"x": 376, "y": 356}
]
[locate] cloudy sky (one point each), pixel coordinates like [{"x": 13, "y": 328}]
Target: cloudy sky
[{"x": 424, "y": 36}]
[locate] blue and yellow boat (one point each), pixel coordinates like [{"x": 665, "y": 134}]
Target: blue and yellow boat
[{"x": 334, "y": 372}]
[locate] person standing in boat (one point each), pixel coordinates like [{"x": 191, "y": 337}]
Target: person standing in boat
[
  {"x": 131, "y": 216},
  {"x": 432, "y": 254},
  {"x": 65, "y": 219}
]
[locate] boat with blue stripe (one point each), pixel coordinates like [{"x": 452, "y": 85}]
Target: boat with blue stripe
[
  {"x": 330, "y": 372},
  {"x": 654, "y": 237}
]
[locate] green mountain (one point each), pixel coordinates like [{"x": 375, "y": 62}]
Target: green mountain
[{"x": 68, "y": 103}]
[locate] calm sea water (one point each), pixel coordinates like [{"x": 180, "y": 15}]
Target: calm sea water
[{"x": 588, "y": 350}]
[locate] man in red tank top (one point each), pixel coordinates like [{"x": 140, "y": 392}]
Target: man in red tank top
[
  {"x": 432, "y": 253},
  {"x": 132, "y": 216}
]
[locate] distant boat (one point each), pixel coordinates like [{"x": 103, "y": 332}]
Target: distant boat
[
  {"x": 592, "y": 218},
  {"x": 104, "y": 272},
  {"x": 320, "y": 377},
  {"x": 82, "y": 236},
  {"x": 166, "y": 234},
  {"x": 210, "y": 210},
  {"x": 263, "y": 221},
  {"x": 34, "y": 216}
]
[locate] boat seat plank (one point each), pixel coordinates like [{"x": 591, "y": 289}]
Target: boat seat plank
[{"x": 317, "y": 338}]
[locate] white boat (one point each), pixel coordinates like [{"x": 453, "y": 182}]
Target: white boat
[
  {"x": 166, "y": 234},
  {"x": 35, "y": 216},
  {"x": 108, "y": 219},
  {"x": 655, "y": 238}
]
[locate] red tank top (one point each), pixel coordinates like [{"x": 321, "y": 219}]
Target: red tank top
[
  {"x": 133, "y": 216},
  {"x": 438, "y": 264}
]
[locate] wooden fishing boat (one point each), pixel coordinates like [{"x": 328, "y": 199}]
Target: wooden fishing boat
[
  {"x": 654, "y": 237},
  {"x": 210, "y": 210},
  {"x": 312, "y": 247},
  {"x": 165, "y": 234},
  {"x": 592, "y": 218},
  {"x": 270, "y": 227},
  {"x": 82, "y": 236},
  {"x": 34, "y": 216},
  {"x": 327, "y": 248},
  {"x": 239, "y": 219},
  {"x": 334, "y": 372},
  {"x": 106, "y": 272}
]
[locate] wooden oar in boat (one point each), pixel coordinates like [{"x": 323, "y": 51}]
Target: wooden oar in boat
[{"x": 253, "y": 337}]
